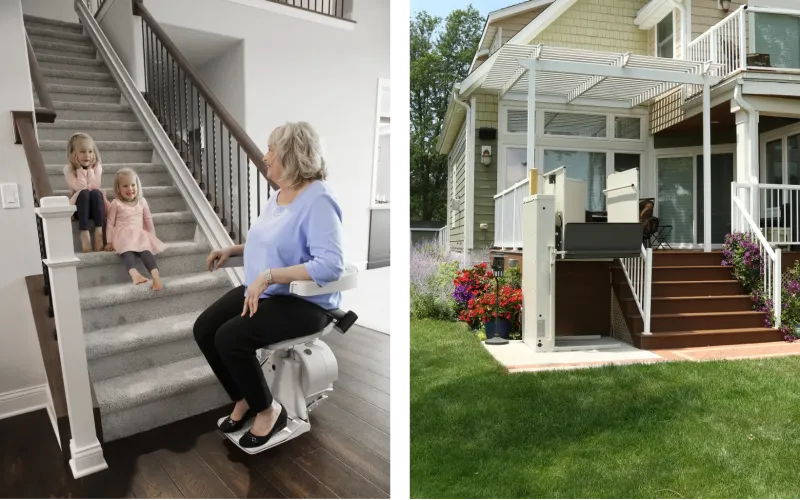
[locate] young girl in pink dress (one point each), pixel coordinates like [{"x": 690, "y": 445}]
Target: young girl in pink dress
[
  {"x": 83, "y": 175},
  {"x": 130, "y": 231}
]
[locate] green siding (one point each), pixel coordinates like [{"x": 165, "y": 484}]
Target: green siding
[{"x": 485, "y": 189}]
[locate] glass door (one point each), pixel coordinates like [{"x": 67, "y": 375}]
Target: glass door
[
  {"x": 676, "y": 198},
  {"x": 722, "y": 173}
]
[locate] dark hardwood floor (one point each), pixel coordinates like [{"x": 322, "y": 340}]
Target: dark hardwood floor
[{"x": 346, "y": 453}]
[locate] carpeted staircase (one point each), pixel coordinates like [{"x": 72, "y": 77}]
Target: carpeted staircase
[{"x": 145, "y": 367}]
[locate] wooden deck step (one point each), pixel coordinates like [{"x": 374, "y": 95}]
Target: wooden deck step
[
  {"x": 663, "y": 258},
  {"x": 702, "y": 321},
  {"x": 706, "y": 288},
  {"x": 674, "y": 305},
  {"x": 691, "y": 273},
  {"x": 704, "y": 338}
]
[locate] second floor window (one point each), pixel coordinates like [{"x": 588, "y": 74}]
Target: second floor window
[{"x": 665, "y": 37}]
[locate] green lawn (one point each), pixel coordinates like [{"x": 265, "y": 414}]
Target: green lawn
[{"x": 726, "y": 429}]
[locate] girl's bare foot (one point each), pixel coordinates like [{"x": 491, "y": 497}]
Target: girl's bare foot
[
  {"x": 157, "y": 284},
  {"x": 98, "y": 239},
  {"x": 265, "y": 421},
  {"x": 239, "y": 410},
  {"x": 86, "y": 243},
  {"x": 137, "y": 277}
]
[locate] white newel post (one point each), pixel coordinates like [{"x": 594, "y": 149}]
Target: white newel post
[{"x": 86, "y": 454}]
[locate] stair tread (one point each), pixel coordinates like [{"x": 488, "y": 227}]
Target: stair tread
[
  {"x": 76, "y": 75},
  {"x": 60, "y": 88},
  {"x": 152, "y": 384},
  {"x": 61, "y": 44},
  {"x": 701, "y": 297},
  {"x": 147, "y": 192},
  {"x": 118, "y": 339},
  {"x": 59, "y": 59},
  {"x": 718, "y": 266},
  {"x": 50, "y": 145},
  {"x": 125, "y": 293},
  {"x": 106, "y": 107},
  {"x": 58, "y": 168},
  {"x": 28, "y": 18},
  {"x": 703, "y": 314},
  {"x": 91, "y": 124},
  {"x": 173, "y": 248},
  {"x": 46, "y": 31},
  {"x": 724, "y": 331},
  {"x": 693, "y": 282}
]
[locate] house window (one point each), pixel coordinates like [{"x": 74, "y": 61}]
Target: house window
[
  {"x": 573, "y": 124},
  {"x": 586, "y": 166},
  {"x": 516, "y": 169},
  {"x": 665, "y": 37},
  {"x": 627, "y": 128},
  {"x": 779, "y": 36},
  {"x": 517, "y": 121},
  {"x": 676, "y": 197}
]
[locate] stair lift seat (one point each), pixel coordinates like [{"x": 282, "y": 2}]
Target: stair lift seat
[{"x": 301, "y": 371}]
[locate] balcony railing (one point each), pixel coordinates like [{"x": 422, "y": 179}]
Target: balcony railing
[
  {"x": 508, "y": 216},
  {"x": 739, "y": 42},
  {"x": 333, "y": 8}
]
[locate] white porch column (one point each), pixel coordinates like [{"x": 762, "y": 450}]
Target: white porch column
[
  {"x": 706, "y": 167},
  {"x": 531, "y": 144},
  {"x": 747, "y": 149},
  {"x": 85, "y": 450}
]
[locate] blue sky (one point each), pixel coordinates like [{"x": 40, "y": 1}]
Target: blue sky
[{"x": 443, "y": 7}]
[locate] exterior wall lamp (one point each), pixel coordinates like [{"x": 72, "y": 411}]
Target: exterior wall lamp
[
  {"x": 486, "y": 155},
  {"x": 724, "y": 5}
]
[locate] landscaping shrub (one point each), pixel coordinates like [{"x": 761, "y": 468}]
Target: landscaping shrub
[{"x": 432, "y": 274}]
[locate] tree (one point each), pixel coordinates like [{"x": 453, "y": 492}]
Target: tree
[{"x": 440, "y": 58}]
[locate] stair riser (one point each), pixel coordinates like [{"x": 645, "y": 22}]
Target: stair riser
[
  {"x": 693, "y": 306},
  {"x": 53, "y": 25},
  {"x": 64, "y": 46},
  {"x": 99, "y": 116},
  {"x": 167, "y": 266},
  {"x": 99, "y": 99},
  {"x": 80, "y": 82},
  {"x": 696, "y": 289},
  {"x": 63, "y": 134},
  {"x": 704, "y": 340},
  {"x": 691, "y": 274},
  {"x": 167, "y": 233},
  {"x": 157, "y": 413},
  {"x": 88, "y": 66},
  {"x": 113, "y": 156},
  {"x": 159, "y": 306},
  {"x": 54, "y": 34},
  {"x": 146, "y": 178},
  {"x": 721, "y": 322},
  {"x": 63, "y": 53},
  {"x": 142, "y": 359},
  {"x": 687, "y": 259}
]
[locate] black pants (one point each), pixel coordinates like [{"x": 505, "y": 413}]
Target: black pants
[
  {"x": 90, "y": 205},
  {"x": 230, "y": 341},
  {"x": 147, "y": 257}
]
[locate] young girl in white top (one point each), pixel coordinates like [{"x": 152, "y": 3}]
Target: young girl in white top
[
  {"x": 83, "y": 175},
  {"x": 130, "y": 231}
]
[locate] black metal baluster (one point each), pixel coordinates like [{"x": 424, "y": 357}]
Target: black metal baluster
[
  {"x": 146, "y": 69},
  {"x": 182, "y": 116},
  {"x": 241, "y": 198},
  {"x": 175, "y": 105},
  {"x": 232, "y": 233},
  {"x": 164, "y": 96},
  {"x": 222, "y": 173},
  {"x": 205, "y": 153},
  {"x": 258, "y": 193},
  {"x": 249, "y": 209},
  {"x": 214, "y": 160},
  {"x": 199, "y": 145},
  {"x": 192, "y": 150}
]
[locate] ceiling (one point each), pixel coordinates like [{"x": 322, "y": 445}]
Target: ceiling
[{"x": 199, "y": 47}]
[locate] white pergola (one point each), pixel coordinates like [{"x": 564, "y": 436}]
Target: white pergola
[{"x": 622, "y": 79}]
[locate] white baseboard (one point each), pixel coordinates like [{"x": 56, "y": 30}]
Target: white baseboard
[{"x": 23, "y": 401}]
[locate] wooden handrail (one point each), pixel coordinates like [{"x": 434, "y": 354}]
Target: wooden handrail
[
  {"x": 46, "y": 112},
  {"x": 25, "y": 134},
  {"x": 248, "y": 146}
]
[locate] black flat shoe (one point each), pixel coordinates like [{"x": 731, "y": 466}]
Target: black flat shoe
[
  {"x": 248, "y": 440},
  {"x": 230, "y": 425}
]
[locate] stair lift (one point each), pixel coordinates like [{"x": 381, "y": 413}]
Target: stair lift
[{"x": 300, "y": 372}]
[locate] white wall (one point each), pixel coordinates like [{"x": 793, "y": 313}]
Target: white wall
[
  {"x": 124, "y": 32},
  {"x": 301, "y": 70},
  {"x": 21, "y": 365},
  {"x": 62, "y": 10}
]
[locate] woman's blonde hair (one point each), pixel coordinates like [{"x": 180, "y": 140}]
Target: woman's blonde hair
[
  {"x": 126, "y": 172},
  {"x": 299, "y": 149},
  {"x": 80, "y": 136}
]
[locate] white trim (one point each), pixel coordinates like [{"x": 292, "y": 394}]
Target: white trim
[
  {"x": 513, "y": 10},
  {"x": 581, "y": 68},
  {"x": 652, "y": 13},
  {"x": 542, "y": 21},
  {"x": 381, "y": 129},
  {"x": 300, "y": 13},
  {"x": 782, "y": 134},
  {"x": 674, "y": 38},
  {"x": 469, "y": 181},
  {"x": 20, "y": 401}
]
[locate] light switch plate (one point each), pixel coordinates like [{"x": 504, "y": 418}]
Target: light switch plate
[{"x": 10, "y": 195}]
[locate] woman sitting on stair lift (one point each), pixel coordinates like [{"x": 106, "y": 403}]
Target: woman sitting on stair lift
[{"x": 298, "y": 236}]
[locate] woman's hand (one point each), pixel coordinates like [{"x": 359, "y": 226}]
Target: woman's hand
[
  {"x": 217, "y": 257},
  {"x": 254, "y": 291}
]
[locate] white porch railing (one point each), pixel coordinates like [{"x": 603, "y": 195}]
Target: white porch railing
[
  {"x": 779, "y": 213},
  {"x": 741, "y": 221},
  {"x": 508, "y": 216},
  {"x": 443, "y": 237},
  {"x": 85, "y": 450},
  {"x": 725, "y": 43},
  {"x": 639, "y": 272}
]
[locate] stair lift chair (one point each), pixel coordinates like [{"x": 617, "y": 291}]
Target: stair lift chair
[{"x": 301, "y": 371}]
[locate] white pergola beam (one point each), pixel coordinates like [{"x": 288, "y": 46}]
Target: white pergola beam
[
  {"x": 594, "y": 81},
  {"x": 582, "y": 68}
]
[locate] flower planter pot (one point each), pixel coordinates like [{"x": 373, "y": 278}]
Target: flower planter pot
[{"x": 502, "y": 329}]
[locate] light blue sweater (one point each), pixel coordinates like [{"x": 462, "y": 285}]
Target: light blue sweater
[{"x": 306, "y": 231}]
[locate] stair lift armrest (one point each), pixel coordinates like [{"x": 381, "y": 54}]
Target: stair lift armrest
[{"x": 308, "y": 288}]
